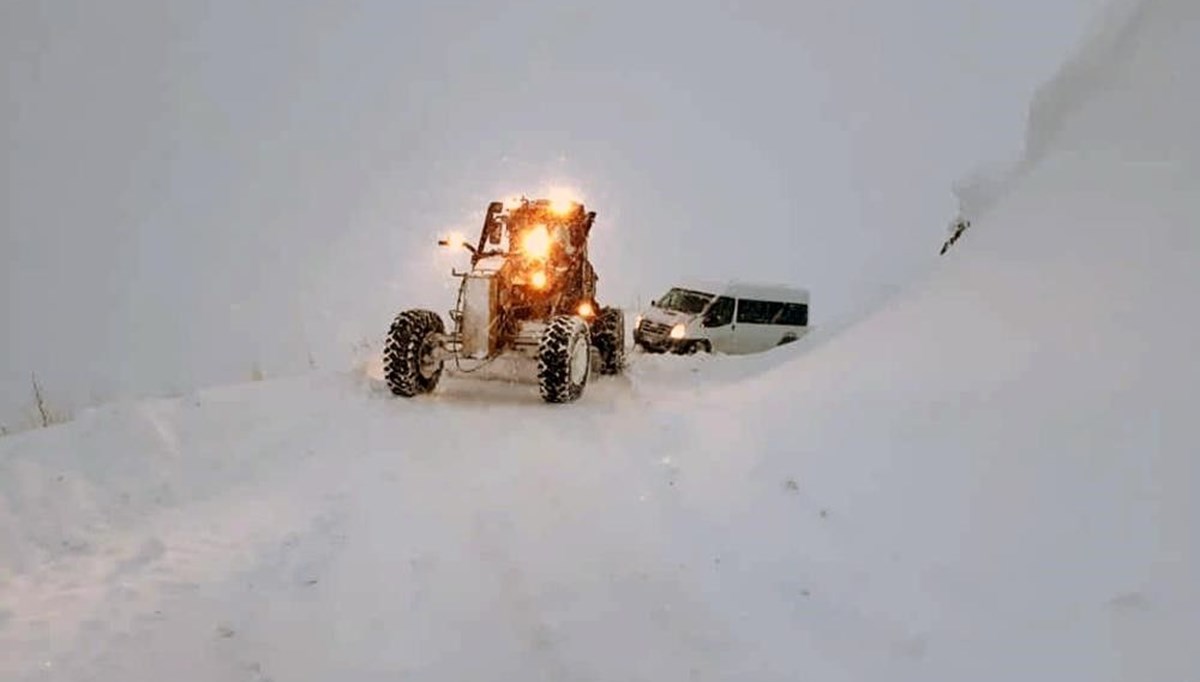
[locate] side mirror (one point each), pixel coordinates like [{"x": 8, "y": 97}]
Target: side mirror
[{"x": 491, "y": 226}]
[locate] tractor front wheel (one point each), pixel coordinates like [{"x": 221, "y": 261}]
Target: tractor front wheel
[
  {"x": 564, "y": 359},
  {"x": 408, "y": 363}
]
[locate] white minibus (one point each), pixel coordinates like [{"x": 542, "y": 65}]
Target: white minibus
[{"x": 730, "y": 317}]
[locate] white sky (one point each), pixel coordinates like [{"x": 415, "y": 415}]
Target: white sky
[{"x": 190, "y": 190}]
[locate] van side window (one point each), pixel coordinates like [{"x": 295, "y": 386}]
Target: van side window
[
  {"x": 720, "y": 313},
  {"x": 794, "y": 314},
  {"x": 758, "y": 312}
]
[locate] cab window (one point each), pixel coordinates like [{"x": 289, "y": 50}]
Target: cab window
[{"x": 720, "y": 313}]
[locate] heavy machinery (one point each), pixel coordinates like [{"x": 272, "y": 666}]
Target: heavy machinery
[{"x": 526, "y": 311}]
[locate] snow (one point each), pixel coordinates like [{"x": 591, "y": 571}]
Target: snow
[{"x": 988, "y": 478}]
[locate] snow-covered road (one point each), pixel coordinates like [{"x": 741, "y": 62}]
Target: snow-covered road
[{"x": 477, "y": 533}]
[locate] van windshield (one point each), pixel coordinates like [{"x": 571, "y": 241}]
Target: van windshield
[{"x": 684, "y": 300}]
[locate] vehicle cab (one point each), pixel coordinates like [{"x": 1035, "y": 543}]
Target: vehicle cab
[{"x": 731, "y": 317}]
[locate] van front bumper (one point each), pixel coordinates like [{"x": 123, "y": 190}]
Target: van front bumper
[{"x": 655, "y": 337}]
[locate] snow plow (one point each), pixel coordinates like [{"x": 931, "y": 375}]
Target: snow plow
[{"x": 526, "y": 312}]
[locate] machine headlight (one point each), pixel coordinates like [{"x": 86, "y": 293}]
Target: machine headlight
[
  {"x": 678, "y": 331},
  {"x": 538, "y": 279},
  {"x": 586, "y": 309},
  {"x": 536, "y": 242}
]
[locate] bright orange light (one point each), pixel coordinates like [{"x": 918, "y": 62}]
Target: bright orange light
[
  {"x": 536, "y": 242},
  {"x": 563, "y": 200},
  {"x": 586, "y": 309},
  {"x": 538, "y": 280},
  {"x": 561, "y": 206}
]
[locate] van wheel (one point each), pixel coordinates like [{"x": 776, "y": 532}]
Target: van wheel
[
  {"x": 787, "y": 338},
  {"x": 693, "y": 347}
]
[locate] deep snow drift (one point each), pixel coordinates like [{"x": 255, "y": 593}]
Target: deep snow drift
[{"x": 989, "y": 479}]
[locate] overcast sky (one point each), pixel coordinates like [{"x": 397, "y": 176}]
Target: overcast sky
[{"x": 188, "y": 190}]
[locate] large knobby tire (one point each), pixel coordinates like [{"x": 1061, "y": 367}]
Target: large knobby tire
[
  {"x": 608, "y": 335},
  {"x": 407, "y": 365},
  {"x": 564, "y": 359}
]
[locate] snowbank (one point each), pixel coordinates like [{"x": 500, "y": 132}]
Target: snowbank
[{"x": 1010, "y": 448}]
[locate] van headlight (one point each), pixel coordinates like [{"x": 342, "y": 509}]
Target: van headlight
[{"x": 678, "y": 331}]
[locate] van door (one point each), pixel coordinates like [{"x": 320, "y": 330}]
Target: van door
[{"x": 717, "y": 325}]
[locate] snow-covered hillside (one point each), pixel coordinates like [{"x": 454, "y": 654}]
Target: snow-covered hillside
[{"x": 988, "y": 479}]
